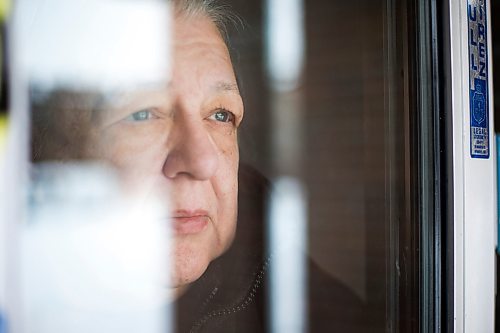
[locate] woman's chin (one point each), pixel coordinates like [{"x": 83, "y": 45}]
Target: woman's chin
[{"x": 187, "y": 268}]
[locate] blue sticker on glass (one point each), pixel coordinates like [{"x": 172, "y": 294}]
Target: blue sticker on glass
[{"x": 478, "y": 79}]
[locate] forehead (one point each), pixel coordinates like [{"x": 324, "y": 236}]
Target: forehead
[
  {"x": 195, "y": 35},
  {"x": 198, "y": 48},
  {"x": 197, "y": 26}
]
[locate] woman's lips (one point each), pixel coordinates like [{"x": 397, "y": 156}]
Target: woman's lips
[{"x": 189, "y": 222}]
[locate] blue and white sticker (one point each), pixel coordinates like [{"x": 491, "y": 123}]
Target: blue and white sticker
[{"x": 478, "y": 79}]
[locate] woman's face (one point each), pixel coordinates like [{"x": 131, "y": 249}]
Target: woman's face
[{"x": 181, "y": 142}]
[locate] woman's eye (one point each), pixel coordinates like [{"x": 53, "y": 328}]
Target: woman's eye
[
  {"x": 140, "y": 115},
  {"x": 223, "y": 116}
]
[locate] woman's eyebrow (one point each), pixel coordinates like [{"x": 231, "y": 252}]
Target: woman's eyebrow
[{"x": 226, "y": 86}]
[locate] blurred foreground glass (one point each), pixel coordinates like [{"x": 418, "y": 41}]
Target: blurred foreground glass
[
  {"x": 323, "y": 119},
  {"x": 92, "y": 250},
  {"x": 4, "y": 8}
]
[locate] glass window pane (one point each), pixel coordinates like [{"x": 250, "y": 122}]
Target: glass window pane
[{"x": 197, "y": 167}]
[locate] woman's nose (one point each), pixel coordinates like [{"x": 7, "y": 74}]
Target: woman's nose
[{"x": 193, "y": 152}]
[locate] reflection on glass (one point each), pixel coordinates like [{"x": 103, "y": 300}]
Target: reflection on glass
[
  {"x": 94, "y": 45},
  {"x": 285, "y": 42},
  {"x": 149, "y": 191},
  {"x": 94, "y": 250},
  {"x": 287, "y": 238},
  {"x": 287, "y": 218},
  {"x": 92, "y": 261},
  {"x": 4, "y": 8}
]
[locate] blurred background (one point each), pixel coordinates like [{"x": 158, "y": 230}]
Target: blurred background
[{"x": 343, "y": 134}]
